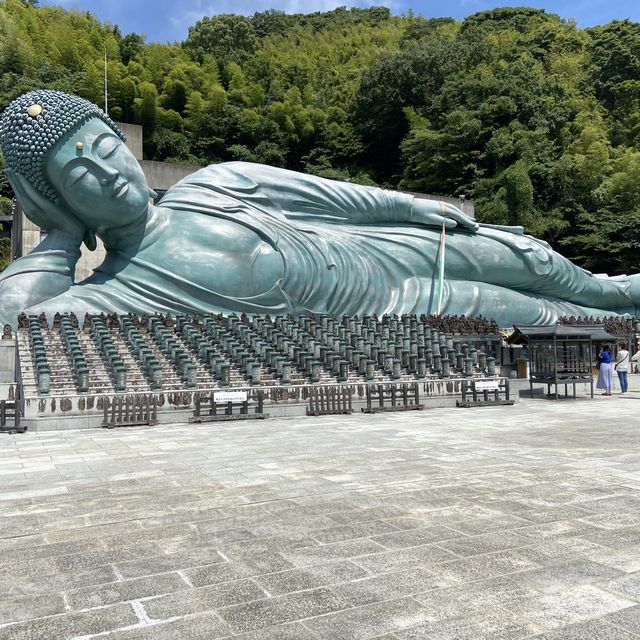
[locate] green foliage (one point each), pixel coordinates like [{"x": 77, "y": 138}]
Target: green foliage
[
  {"x": 420, "y": 29},
  {"x": 534, "y": 118},
  {"x": 130, "y": 46},
  {"x": 5, "y": 252},
  {"x": 5, "y": 206},
  {"x": 607, "y": 238},
  {"x": 412, "y": 78},
  {"x": 227, "y": 37},
  {"x": 271, "y": 22},
  {"x": 614, "y": 70},
  {"x": 146, "y": 106}
]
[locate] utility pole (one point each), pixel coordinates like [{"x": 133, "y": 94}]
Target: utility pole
[{"x": 106, "y": 107}]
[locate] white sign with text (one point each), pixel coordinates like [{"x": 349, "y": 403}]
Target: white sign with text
[
  {"x": 229, "y": 396},
  {"x": 486, "y": 385}
]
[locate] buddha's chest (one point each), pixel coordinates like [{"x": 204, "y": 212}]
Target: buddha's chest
[{"x": 215, "y": 254}]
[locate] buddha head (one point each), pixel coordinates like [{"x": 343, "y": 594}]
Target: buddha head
[{"x": 74, "y": 155}]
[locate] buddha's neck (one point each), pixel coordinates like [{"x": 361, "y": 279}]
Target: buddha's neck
[{"x": 129, "y": 237}]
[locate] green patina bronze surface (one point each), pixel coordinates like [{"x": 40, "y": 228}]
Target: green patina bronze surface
[{"x": 246, "y": 237}]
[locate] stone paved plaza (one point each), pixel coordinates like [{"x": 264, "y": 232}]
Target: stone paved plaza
[{"x": 448, "y": 524}]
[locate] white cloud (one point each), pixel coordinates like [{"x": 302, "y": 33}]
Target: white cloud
[{"x": 189, "y": 17}]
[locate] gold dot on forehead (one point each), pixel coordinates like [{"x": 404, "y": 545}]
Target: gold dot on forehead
[
  {"x": 34, "y": 110},
  {"x": 79, "y": 146}
]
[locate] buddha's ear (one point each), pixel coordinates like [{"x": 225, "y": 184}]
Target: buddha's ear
[
  {"x": 152, "y": 194},
  {"x": 90, "y": 240}
]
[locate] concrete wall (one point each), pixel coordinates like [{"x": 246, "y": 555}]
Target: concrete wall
[
  {"x": 7, "y": 361},
  {"x": 133, "y": 134},
  {"x": 30, "y": 234},
  {"x": 163, "y": 175},
  {"x": 89, "y": 260}
]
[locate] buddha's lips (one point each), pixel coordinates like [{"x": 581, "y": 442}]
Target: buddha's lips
[{"x": 120, "y": 189}]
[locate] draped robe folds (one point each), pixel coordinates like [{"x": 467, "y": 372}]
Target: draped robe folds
[
  {"x": 346, "y": 249},
  {"x": 353, "y": 249}
]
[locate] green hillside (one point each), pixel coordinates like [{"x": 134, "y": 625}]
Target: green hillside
[{"x": 535, "y": 119}]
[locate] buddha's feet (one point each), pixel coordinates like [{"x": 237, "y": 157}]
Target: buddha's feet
[{"x": 634, "y": 293}]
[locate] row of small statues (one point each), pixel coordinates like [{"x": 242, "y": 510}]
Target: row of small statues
[
  {"x": 615, "y": 325},
  {"x": 462, "y": 325},
  {"x": 111, "y": 320}
]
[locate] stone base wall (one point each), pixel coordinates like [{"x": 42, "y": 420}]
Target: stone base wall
[{"x": 87, "y": 411}]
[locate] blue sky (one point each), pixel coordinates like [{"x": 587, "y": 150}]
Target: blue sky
[{"x": 169, "y": 20}]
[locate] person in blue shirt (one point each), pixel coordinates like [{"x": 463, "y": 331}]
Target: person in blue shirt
[{"x": 605, "y": 372}]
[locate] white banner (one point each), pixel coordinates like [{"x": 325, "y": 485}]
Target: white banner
[
  {"x": 229, "y": 396},
  {"x": 486, "y": 385}
]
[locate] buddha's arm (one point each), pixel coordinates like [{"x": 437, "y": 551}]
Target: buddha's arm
[
  {"x": 42, "y": 274},
  {"x": 304, "y": 197}
]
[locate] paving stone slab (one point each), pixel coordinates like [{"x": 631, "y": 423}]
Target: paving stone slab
[
  {"x": 564, "y": 575},
  {"x": 479, "y": 526},
  {"x": 335, "y": 551},
  {"x": 423, "y": 556},
  {"x": 628, "y": 619},
  {"x": 391, "y": 586},
  {"x": 416, "y": 537},
  {"x": 31, "y": 606},
  {"x": 626, "y": 559},
  {"x": 39, "y": 583},
  {"x": 276, "y": 611},
  {"x": 495, "y": 626},
  {"x": 369, "y": 621},
  {"x": 501, "y": 563},
  {"x": 578, "y": 604},
  {"x": 71, "y": 625},
  {"x": 261, "y": 562},
  {"x": 293, "y": 631},
  {"x": 353, "y": 531},
  {"x": 591, "y": 630},
  {"x": 627, "y": 585},
  {"x": 475, "y": 598},
  {"x": 321, "y": 575},
  {"x": 125, "y": 590},
  {"x": 205, "y": 626},
  {"x": 467, "y": 546},
  {"x": 216, "y": 573},
  {"x": 168, "y": 562},
  {"x": 198, "y": 599}
]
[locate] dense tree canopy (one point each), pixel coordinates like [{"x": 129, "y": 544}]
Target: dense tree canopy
[{"x": 534, "y": 118}]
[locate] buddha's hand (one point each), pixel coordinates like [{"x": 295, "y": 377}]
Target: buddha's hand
[
  {"x": 45, "y": 213},
  {"x": 434, "y": 213}
]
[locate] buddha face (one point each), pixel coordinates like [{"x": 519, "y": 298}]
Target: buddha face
[{"x": 98, "y": 177}]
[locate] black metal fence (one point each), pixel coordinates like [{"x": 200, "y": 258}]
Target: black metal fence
[
  {"x": 481, "y": 393},
  {"x": 393, "y": 397},
  {"x": 330, "y": 400},
  {"x": 130, "y": 410},
  {"x": 208, "y": 407},
  {"x": 10, "y": 416}
]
